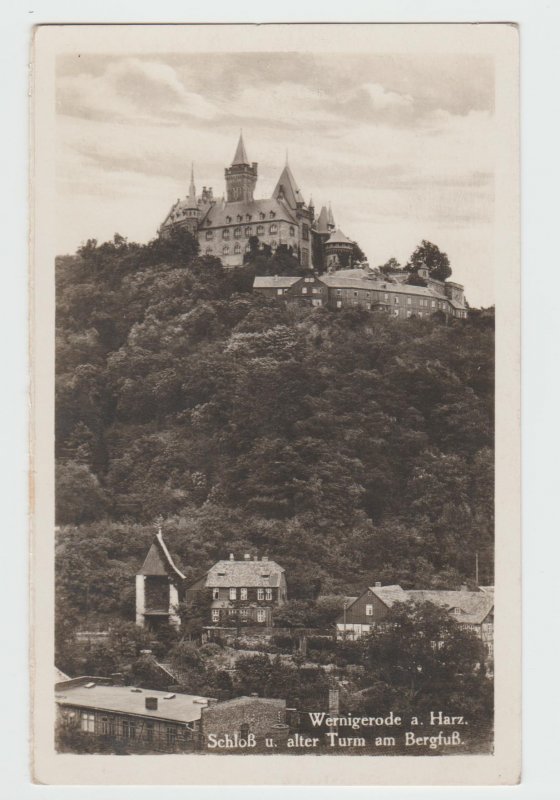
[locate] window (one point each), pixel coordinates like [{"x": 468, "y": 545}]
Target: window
[
  {"x": 150, "y": 731},
  {"x": 269, "y": 594},
  {"x": 260, "y": 230},
  {"x": 304, "y": 290},
  {"x": 309, "y": 280},
  {"x": 225, "y": 251},
  {"x": 409, "y": 301},
  {"x": 272, "y": 215},
  {"x": 274, "y": 244},
  {"x": 339, "y": 291},
  {"x": 396, "y": 300},
  {"x": 261, "y": 215},
  {"x": 215, "y": 594},
  {"x": 228, "y": 220},
  {"x": 244, "y": 612},
  {"x": 233, "y": 593},
  {"x": 248, "y": 217},
  {"x": 128, "y": 729},
  {"x": 215, "y": 615},
  {"x": 369, "y": 610},
  {"x": 209, "y": 251},
  {"x": 261, "y": 615},
  {"x": 260, "y": 594},
  {"x": 409, "y": 314},
  {"x": 248, "y": 231},
  {"x": 273, "y": 228},
  {"x": 171, "y": 735},
  {"x": 237, "y": 248},
  {"x": 243, "y": 594},
  {"x": 239, "y": 218},
  {"x": 225, "y": 233},
  {"x": 386, "y": 296},
  {"x": 279, "y": 291},
  {"x": 339, "y": 303},
  {"x": 209, "y": 234},
  {"x": 433, "y": 303},
  {"x": 88, "y": 722},
  {"x": 355, "y": 294},
  {"x": 237, "y": 233},
  {"x": 292, "y": 230},
  {"x": 108, "y": 726}
]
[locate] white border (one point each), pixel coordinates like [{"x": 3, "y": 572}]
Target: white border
[{"x": 540, "y": 64}]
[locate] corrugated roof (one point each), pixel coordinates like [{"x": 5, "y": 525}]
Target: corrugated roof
[
  {"x": 274, "y": 281},
  {"x": 244, "y": 574},
  {"x": 472, "y": 607},
  {"x": 218, "y": 213},
  {"x": 181, "y": 708}
]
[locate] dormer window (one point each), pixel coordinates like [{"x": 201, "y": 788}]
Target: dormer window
[
  {"x": 239, "y": 218},
  {"x": 261, "y": 215},
  {"x": 228, "y": 220},
  {"x": 248, "y": 217},
  {"x": 208, "y": 221},
  {"x": 272, "y": 215}
]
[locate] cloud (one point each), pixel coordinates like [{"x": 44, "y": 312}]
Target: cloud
[
  {"x": 131, "y": 89},
  {"x": 384, "y": 100}
]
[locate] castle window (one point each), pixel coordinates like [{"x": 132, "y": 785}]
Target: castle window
[
  {"x": 225, "y": 233},
  {"x": 261, "y": 215},
  {"x": 260, "y": 230},
  {"x": 225, "y": 251},
  {"x": 208, "y": 221},
  {"x": 209, "y": 234},
  {"x": 292, "y": 230},
  {"x": 237, "y": 232},
  {"x": 248, "y": 217},
  {"x": 239, "y": 218},
  {"x": 237, "y": 248},
  {"x": 248, "y": 231},
  {"x": 273, "y": 228},
  {"x": 272, "y": 215},
  {"x": 228, "y": 220}
]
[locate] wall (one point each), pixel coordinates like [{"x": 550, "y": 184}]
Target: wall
[{"x": 260, "y": 714}]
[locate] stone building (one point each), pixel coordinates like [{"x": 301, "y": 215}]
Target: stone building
[
  {"x": 225, "y": 225},
  {"x": 367, "y": 289},
  {"x": 246, "y": 590},
  {"x": 160, "y": 587}
]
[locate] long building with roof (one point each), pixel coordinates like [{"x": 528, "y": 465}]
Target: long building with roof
[
  {"x": 225, "y": 225},
  {"x": 367, "y": 289}
]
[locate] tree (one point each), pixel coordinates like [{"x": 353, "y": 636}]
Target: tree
[
  {"x": 392, "y": 265},
  {"x": 79, "y": 496},
  {"x": 430, "y": 256}
]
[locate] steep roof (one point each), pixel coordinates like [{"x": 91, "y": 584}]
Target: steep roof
[
  {"x": 337, "y": 237},
  {"x": 288, "y": 184},
  {"x": 274, "y": 281},
  {"x": 217, "y": 214},
  {"x": 471, "y": 607},
  {"x": 240, "y": 156},
  {"x": 323, "y": 221},
  {"x": 244, "y": 574},
  {"x": 389, "y": 594},
  {"x": 330, "y": 217},
  {"x": 179, "y": 708},
  {"x": 158, "y": 561}
]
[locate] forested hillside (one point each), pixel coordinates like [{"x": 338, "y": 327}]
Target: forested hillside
[{"x": 348, "y": 446}]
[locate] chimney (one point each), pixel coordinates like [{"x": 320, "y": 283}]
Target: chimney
[
  {"x": 377, "y": 584},
  {"x": 151, "y": 703},
  {"x": 231, "y": 557},
  {"x": 247, "y": 556}
]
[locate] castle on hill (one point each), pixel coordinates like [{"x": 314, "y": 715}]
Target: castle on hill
[{"x": 224, "y": 226}]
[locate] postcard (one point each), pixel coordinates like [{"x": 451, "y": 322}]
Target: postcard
[{"x": 275, "y": 444}]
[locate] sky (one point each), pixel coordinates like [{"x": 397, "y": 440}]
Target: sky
[{"x": 403, "y": 146}]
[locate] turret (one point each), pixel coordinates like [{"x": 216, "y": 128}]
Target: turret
[{"x": 241, "y": 177}]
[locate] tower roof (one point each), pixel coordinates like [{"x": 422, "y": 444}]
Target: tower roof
[
  {"x": 158, "y": 561},
  {"x": 240, "y": 156},
  {"x": 337, "y": 237},
  {"x": 287, "y": 182},
  {"x": 192, "y": 189},
  {"x": 323, "y": 221},
  {"x": 330, "y": 218}
]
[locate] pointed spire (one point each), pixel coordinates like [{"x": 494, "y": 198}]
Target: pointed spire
[
  {"x": 330, "y": 217},
  {"x": 287, "y": 163},
  {"x": 192, "y": 188},
  {"x": 240, "y": 156},
  {"x": 322, "y": 222}
]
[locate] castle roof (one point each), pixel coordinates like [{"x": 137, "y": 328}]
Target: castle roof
[
  {"x": 287, "y": 183},
  {"x": 330, "y": 217},
  {"x": 244, "y": 573},
  {"x": 323, "y": 221},
  {"x": 337, "y": 237},
  {"x": 218, "y": 213},
  {"x": 240, "y": 156},
  {"x": 159, "y": 561}
]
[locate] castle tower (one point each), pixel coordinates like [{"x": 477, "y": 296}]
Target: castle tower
[
  {"x": 330, "y": 219},
  {"x": 241, "y": 177},
  {"x": 287, "y": 189},
  {"x": 338, "y": 251},
  {"x": 191, "y": 211},
  {"x": 159, "y": 587}
]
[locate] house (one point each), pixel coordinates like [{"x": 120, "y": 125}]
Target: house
[
  {"x": 160, "y": 720},
  {"x": 160, "y": 587},
  {"x": 244, "y": 590},
  {"x": 146, "y": 719},
  {"x": 473, "y": 611},
  {"x": 367, "y": 289}
]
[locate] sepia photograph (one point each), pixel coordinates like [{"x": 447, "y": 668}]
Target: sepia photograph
[{"x": 280, "y": 437}]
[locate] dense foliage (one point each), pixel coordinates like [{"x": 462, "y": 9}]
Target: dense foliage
[{"x": 347, "y": 446}]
